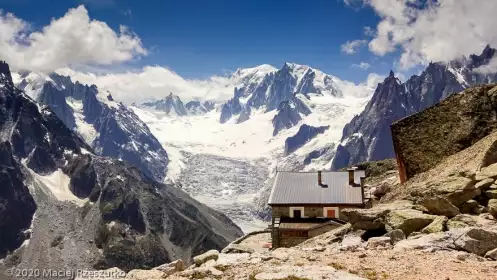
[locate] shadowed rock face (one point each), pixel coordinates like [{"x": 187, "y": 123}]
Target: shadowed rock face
[
  {"x": 289, "y": 114},
  {"x": 423, "y": 140},
  {"x": 128, "y": 220},
  {"x": 118, "y": 132},
  {"x": 231, "y": 108},
  {"x": 17, "y": 206},
  {"x": 304, "y": 135},
  {"x": 394, "y": 100}
]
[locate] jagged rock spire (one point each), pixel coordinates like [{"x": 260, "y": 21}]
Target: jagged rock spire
[{"x": 391, "y": 75}]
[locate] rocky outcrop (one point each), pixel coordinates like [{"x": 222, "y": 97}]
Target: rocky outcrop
[
  {"x": 447, "y": 128},
  {"x": 289, "y": 114},
  {"x": 440, "y": 206},
  {"x": 394, "y": 100},
  {"x": 408, "y": 220},
  {"x": 231, "y": 107},
  {"x": 477, "y": 241},
  {"x": 171, "y": 105},
  {"x": 17, "y": 206},
  {"x": 304, "y": 135}
]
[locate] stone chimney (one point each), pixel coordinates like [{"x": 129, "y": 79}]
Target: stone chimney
[{"x": 351, "y": 175}]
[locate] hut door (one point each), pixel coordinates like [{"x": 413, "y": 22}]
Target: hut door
[
  {"x": 330, "y": 213},
  {"x": 297, "y": 213}
]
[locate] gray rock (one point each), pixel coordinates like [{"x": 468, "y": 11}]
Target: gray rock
[
  {"x": 462, "y": 221},
  {"x": 366, "y": 218},
  {"x": 407, "y": 220},
  {"x": 478, "y": 241},
  {"x": 237, "y": 248},
  {"x": 396, "y": 236},
  {"x": 351, "y": 243},
  {"x": 209, "y": 255},
  {"x": 440, "y": 206}
]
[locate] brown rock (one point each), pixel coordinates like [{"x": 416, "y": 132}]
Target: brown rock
[
  {"x": 484, "y": 184},
  {"x": 470, "y": 207},
  {"x": 491, "y": 194}
]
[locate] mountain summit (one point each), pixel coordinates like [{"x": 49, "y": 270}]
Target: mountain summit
[{"x": 367, "y": 136}]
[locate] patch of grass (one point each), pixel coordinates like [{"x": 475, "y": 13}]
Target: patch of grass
[
  {"x": 222, "y": 268},
  {"x": 373, "y": 275},
  {"x": 293, "y": 277},
  {"x": 299, "y": 264},
  {"x": 337, "y": 266}
]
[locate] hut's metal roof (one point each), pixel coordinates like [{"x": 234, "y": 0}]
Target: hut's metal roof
[{"x": 303, "y": 188}]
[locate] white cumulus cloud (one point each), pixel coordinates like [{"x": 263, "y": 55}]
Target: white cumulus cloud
[
  {"x": 350, "y": 47},
  {"x": 73, "y": 39},
  {"x": 427, "y": 31},
  {"x": 155, "y": 82},
  {"x": 362, "y": 65}
]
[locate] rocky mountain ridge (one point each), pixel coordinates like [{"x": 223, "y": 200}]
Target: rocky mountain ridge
[
  {"x": 62, "y": 205},
  {"x": 109, "y": 127},
  {"x": 173, "y": 106},
  {"x": 367, "y": 136}
]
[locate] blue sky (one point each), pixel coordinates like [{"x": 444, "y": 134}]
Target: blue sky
[{"x": 199, "y": 38}]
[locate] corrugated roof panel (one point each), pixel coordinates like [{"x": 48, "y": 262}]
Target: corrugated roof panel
[{"x": 303, "y": 188}]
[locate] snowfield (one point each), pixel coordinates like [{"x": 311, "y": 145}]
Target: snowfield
[{"x": 229, "y": 166}]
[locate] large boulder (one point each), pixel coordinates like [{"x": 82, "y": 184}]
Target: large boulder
[
  {"x": 395, "y": 236},
  {"x": 484, "y": 184},
  {"x": 373, "y": 218},
  {"x": 440, "y": 206},
  {"x": 477, "y": 241},
  {"x": 237, "y": 248},
  {"x": 471, "y": 207},
  {"x": 209, "y": 255},
  {"x": 172, "y": 267},
  {"x": 407, "y": 220},
  {"x": 462, "y": 221},
  {"x": 492, "y": 207},
  {"x": 366, "y": 218},
  {"x": 437, "y": 225},
  {"x": 487, "y": 172}
]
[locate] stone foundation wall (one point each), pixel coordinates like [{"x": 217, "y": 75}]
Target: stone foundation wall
[{"x": 423, "y": 140}]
